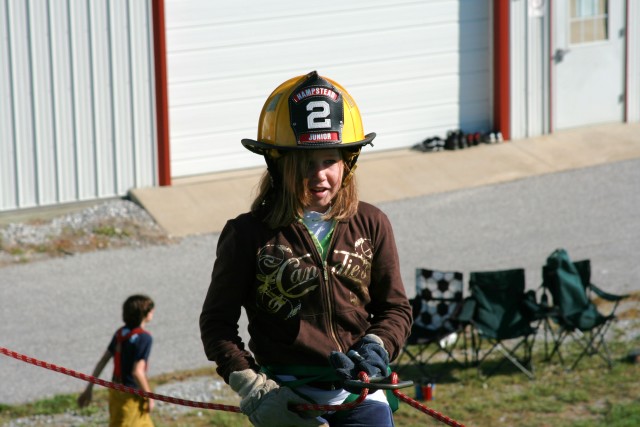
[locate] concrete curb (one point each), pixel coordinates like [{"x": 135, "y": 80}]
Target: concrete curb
[{"x": 204, "y": 204}]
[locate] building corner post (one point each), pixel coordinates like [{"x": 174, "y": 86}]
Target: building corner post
[
  {"x": 501, "y": 68},
  {"x": 161, "y": 92}
]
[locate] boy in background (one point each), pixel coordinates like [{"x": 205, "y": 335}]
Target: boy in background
[{"x": 130, "y": 347}]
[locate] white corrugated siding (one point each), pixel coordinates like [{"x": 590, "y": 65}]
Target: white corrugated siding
[
  {"x": 415, "y": 68},
  {"x": 633, "y": 90},
  {"x": 76, "y": 100},
  {"x": 529, "y": 70}
]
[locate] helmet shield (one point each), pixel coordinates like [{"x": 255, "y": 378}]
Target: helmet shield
[{"x": 317, "y": 113}]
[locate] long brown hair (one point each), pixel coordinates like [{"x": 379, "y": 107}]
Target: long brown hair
[{"x": 281, "y": 199}]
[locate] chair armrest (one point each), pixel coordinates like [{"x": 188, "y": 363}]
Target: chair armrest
[
  {"x": 467, "y": 311},
  {"x": 605, "y": 295},
  {"x": 534, "y": 309},
  {"x": 545, "y": 308}
]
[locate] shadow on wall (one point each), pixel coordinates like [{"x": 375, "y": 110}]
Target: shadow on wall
[{"x": 475, "y": 85}]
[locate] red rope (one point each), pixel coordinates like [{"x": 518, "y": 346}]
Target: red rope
[
  {"x": 204, "y": 405},
  {"x": 115, "y": 386},
  {"x": 419, "y": 406}
]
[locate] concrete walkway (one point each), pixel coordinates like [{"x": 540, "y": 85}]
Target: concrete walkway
[{"x": 203, "y": 205}]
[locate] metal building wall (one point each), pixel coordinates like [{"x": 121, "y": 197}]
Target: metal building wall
[
  {"x": 529, "y": 69},
  {"x": 633, "y": 50},
  {"x": 416, "y": 69},
  {"x": 76, "y": 100}
]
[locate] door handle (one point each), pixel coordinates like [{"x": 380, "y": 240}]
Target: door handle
[{"x": 559, "y": 54}]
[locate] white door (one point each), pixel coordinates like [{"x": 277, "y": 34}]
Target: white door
[{"x": 588, "y": 62}]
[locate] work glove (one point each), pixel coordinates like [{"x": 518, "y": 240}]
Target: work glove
[
  {"x": 266, "y": 403},
  {"x": 367, "y": 355}
]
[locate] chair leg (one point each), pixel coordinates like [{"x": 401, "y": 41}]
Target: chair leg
[
  {"x": 473, "y": 349},
  {"x": 419, "y": 361},
  {"x": 511, "y": 356},
  {"x": 558, "y": 341},
  {"x": 588, "y": 340},
  {"x": 412, "y": 358},
  {"x": 528, "y": 372},
  {"x": 548, "y": 332},
  {"x": 465, "y": 347},
  {"x": 449, "y": 351}
]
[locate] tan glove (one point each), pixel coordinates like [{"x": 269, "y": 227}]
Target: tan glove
[{"x": 266, "y": 403}]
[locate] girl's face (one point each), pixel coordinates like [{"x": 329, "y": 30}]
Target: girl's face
[{"x": 324, "y": 178}]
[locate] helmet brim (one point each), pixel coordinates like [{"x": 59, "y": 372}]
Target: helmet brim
[{"x": 263, "y": 148}]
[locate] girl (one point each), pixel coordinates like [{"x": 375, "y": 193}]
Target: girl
[{"x": 315, "y": 269}]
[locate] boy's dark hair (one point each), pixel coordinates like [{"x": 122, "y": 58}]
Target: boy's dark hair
[{"x": 135, "y": 309}]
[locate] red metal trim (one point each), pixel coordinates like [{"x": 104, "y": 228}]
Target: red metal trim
[
  {"x": 501, "y": 69},
  {"x": 162, "y": 98}
]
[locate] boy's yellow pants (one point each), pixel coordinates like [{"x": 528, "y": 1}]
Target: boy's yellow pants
[{"x": 128, "y": 410}]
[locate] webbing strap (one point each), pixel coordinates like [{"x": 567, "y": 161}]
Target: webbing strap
[{"x": 305, "y": 373}]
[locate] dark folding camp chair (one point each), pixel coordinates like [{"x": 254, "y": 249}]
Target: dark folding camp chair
[
  {"x": 436, "y": 329},
  {"x": 503, "y": 317},
  {"x": 572, "y": 313}
]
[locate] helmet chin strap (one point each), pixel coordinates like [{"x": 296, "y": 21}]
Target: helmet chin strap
[
  {"x": 272, "y": 168},
  {"x": 347, "y": 178},
  {"x": 350, "y": 159}
]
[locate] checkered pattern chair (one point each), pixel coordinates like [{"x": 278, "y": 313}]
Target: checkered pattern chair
[{"x": 436, "y": 328}]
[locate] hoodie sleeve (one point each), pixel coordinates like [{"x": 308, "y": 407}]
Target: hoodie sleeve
[
  {"x": 221, "y": 310},
  {"x": 389, "y": 306}
]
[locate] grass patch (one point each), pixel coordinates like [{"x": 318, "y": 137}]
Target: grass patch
[
  {"x": 110, "y": 231},
  {"x": 55, "y": 405},
  {"x": 590, "y": 395}
]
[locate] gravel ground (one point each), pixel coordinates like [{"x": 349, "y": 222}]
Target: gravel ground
[
  {"x": 106, "y": 225},
  {"x": 199, "y": 389}
]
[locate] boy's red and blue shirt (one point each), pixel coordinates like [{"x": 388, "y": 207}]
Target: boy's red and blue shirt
[{"x": 136, "y": 347}]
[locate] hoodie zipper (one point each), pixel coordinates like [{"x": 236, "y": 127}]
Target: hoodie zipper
[
  {"x": 329, "y": 300},
  {"x": 333, "y": 334}
]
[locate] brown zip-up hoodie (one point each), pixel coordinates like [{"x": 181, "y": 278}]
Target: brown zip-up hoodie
[{"x": 300, "y": 308}]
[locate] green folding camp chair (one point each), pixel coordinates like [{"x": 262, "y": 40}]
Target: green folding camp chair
[
  {"x": 572, "y": 312},
  {"x": 504, "y": 319}
]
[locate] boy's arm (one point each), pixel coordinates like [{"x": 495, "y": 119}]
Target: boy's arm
[
  {"x": 85, "y": 398},
  {"x": 140, "y": 376}
]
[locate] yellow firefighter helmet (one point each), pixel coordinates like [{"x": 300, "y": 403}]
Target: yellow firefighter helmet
[{"x": 308, "y": 112}]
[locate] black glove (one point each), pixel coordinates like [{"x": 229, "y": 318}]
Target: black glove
[{"x": 367, "y": 355}]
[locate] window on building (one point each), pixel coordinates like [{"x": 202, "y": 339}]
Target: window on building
[{"x": 588, "y": 20}]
